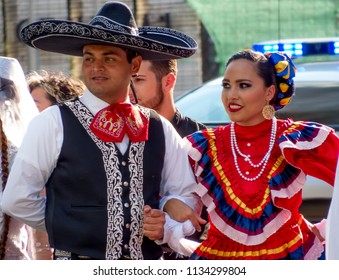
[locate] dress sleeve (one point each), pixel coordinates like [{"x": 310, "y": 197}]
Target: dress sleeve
[
  {"x": 311, "y": 147},
  {"x": 202, "y": 151},
  {"x": 197, "y": 146}
]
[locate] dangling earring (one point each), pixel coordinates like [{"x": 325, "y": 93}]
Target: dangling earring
[{"x": 268, "y": 112}]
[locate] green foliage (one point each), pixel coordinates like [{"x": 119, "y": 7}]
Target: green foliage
[{"x": 237, "y": 24}]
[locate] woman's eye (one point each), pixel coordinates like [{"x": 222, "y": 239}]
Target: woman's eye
[
  {"x": 225, "y": 85},
  {"x": 244, "y": 85}
]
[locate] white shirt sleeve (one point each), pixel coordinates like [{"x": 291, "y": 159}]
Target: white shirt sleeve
[
  {"x": 177, "y": 181},
  {"x": 177, "y": 178},
  {"x": 33, "y": 165}
]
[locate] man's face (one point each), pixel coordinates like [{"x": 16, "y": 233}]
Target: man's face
[
  {"x": 147, "y": 87},
  {"x": 107, "y": 72}
]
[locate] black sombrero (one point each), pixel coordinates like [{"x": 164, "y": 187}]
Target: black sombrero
[{"x": 114, "y": 25}]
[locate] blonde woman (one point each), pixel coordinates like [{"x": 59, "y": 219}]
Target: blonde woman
[{"x": 52, "y": 87}]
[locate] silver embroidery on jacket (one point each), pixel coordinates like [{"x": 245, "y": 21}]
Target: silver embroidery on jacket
[{"x": 115, "y": 209}]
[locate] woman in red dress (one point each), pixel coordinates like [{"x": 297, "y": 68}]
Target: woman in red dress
[{"x": 251, "y": 172}]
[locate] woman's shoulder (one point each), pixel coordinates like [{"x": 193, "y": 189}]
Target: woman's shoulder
[
  {"x": 302, "y": 131},
  {"x": 290, "y": 126}
]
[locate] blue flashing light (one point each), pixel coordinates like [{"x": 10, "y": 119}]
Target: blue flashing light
[
  {"x": 298, "y": 46},
  {"x": 297, "y": 49},
  {"x": 288, "y": 47},
  {"x": 299, "y": 52},
  {"x": 270, "y": 48},
  {"x": 293, "y": 49},
  {"x": 336, "y": 47}
]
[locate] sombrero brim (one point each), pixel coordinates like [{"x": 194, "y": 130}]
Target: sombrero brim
[{"x": 69, "y": 38}]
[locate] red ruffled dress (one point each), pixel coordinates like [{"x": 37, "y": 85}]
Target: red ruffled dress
[{"x": 260, "y": 219}]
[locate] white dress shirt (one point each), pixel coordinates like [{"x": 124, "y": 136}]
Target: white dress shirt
[{"x": 38, "y": 156}]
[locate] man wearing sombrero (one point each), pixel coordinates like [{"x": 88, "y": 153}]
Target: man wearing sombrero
[{"x": 105, "y": 162}]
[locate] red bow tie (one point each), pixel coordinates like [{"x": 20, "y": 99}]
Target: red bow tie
[{"x": 111, "y": 123}]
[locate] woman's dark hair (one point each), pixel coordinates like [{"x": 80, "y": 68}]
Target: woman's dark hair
[
  {"x": 263, "y": 66},
  {"x": 7, "y": 89},
  {"x": 265, "y": 69}
]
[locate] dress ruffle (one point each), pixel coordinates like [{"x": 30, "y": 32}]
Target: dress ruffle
[
  {"x": 219, "y": 246},
  {"x": 310, "y": 147},
  {"x": 303, "y": 135}
]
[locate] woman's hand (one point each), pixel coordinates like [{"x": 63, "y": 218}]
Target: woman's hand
[{"x": 181, "y": 212}]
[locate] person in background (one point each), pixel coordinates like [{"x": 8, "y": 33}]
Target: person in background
[
  {"x": 50, "y": 88},
  {"x": 252, "y": 171},
  {"x": 154, "y": 88},
  {"x": 109, "y": 167},
  {"x": 16, "y": 110}
]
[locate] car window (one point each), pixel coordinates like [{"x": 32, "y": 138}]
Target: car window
[
  {"x": 316, "y": 96},
  {"x": 318, "y": 103},
  {"x": 204, "y": 103}
]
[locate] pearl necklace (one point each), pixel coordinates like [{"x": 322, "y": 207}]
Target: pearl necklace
[{"x": 262, "y": 163}]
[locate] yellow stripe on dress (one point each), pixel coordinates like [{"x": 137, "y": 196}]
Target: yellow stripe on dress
[{"x": 227, "y": 183}]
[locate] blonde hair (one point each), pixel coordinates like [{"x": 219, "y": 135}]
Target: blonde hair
[{"x": 58, "y": 86}]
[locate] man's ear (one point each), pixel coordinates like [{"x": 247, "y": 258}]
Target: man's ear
[
  {"x": 135, "y": 64},
  {"x": 168, "y": 82}
]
